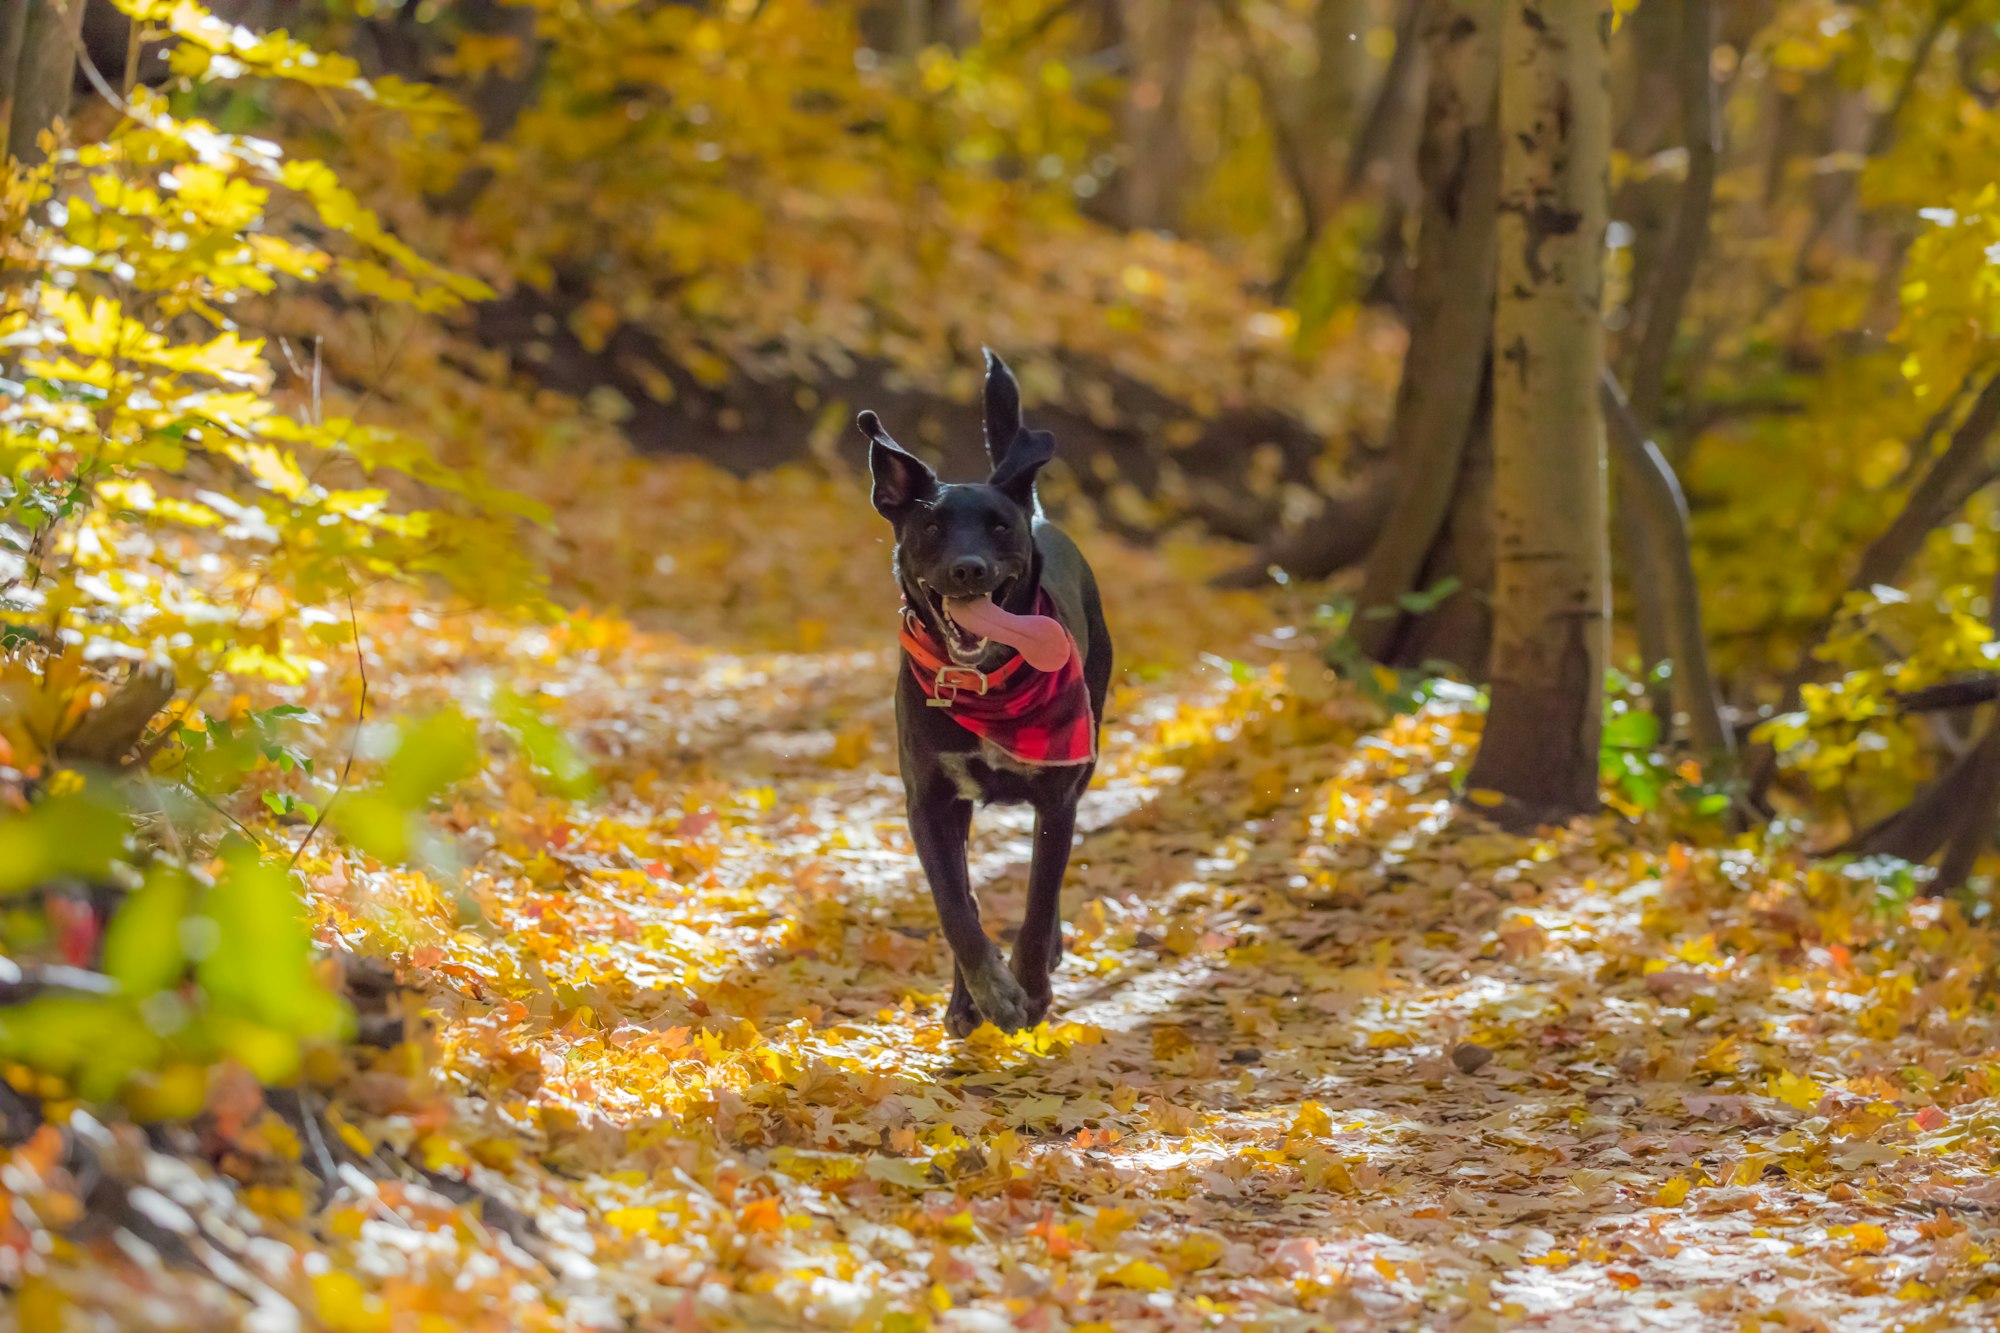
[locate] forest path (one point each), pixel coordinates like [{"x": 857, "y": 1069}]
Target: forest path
[{"x": 1325, "y": 1050}]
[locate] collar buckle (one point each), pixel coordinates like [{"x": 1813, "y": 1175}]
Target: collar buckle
[{"x": 950, "y": 679}]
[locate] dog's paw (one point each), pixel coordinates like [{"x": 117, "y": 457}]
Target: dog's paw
[
  {"x": 961, "y": 1016},
  {"x": 1035, "y": 990},
  {"x": 1000, "y": 998}
]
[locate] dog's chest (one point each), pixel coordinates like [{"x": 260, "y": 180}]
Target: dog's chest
[{"x": 988, "y": 775}]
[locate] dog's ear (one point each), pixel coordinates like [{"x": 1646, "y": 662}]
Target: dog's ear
[
  {"x": 1003, "y": 409},
  {"x": 901, "y": 478},
  {"x": 1015, "y": 476}
]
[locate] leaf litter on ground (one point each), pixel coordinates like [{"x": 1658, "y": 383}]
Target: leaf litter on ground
[{"x": 1328, "y": 1051}]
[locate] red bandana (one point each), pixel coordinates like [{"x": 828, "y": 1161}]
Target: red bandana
[{"x": 1036, "y": 717}]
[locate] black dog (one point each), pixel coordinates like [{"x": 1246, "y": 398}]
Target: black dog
[{"x": 974, "y": 721}]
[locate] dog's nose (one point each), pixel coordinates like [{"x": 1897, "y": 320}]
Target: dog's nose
[{"x": 968, "y": 570}]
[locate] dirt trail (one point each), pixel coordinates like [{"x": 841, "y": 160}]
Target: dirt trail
[
  {"x": 1253, "y": 1107},
  {"x": 1326, "y": 1054}
]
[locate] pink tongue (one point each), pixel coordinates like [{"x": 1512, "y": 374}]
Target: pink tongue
[{"x": 1039, "y": 639}]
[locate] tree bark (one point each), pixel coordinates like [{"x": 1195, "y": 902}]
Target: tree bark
[
  {"x": 1332, "y": 102},
  {"x": 1160, "y": 35},
  {"x": 13, "y": 34},
  {"x": 1653, "y": 496},
  {"x": 38, "y": 80},
  {"x": 1538, "y": 760},
  {"x": 1687, "y": 235},
  {"x": 1451, "y": 310},
  {"x": 1384, "y": 140}
]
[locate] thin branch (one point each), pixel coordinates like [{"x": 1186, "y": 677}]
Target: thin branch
[{"x": 1965, "y": 692}]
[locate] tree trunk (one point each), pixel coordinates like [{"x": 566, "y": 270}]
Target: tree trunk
[
  {"x": 37, "y": 79},
  {"x": 1332, "y": 102},
  {"x": 1653, "y": 500},
  {"x": 1658, "y": 571},
  {"x": 1457, "y": 632},
  {"x": 1385, "y": 140},
  {"x": 1687, "y": 237},
  {"x": 1160, "y": 35},
  {"x": 1538, "y": 761},
  {"x": 1451, "y": 311}
]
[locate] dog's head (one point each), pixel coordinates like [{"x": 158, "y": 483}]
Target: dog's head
[{"x": 962, "y": 539}]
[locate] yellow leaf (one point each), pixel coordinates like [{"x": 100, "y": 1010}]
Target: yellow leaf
[
  {"x": 1867, "y": 1238},
  {"x": 40, "y": 1306},
  {"x": 1138, "y": 1275},
  {"x": 1801, "y": 1094},
  {"x": 635, "y": 1221},
  {"x": 1671, "y": 1193},
  {"x": 1110, "y": 1223},
  {"x": 1553, "y": 1259},
  {"x": 1312, "y": 1119},
  {"x": 1195, "y": 1251}
]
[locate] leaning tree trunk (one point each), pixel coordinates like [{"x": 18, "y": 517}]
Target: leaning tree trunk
[
  {"x": 1438, "y": 406},
  {"x": 38, "y": 42},
  {"x": 1538, "y": 761}
]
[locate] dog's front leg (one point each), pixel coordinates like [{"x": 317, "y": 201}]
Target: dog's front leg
[
  {"x": 940, "y": 821},
  {"x": 1040, "y": 945}
]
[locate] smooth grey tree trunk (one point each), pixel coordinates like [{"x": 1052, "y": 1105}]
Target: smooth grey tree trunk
[{"x": 1538, "y": 760}]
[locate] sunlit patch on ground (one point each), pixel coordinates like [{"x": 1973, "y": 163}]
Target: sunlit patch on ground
[{"x": 1327, "y": 1050}]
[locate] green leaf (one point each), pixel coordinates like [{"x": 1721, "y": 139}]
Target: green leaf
[
  {"x": 142, "y": 945},
  {"x": 374, "y": 823},
  {"x": 434, "y": 753},
  {"x": 547, "y": 748},
  {"x": 79, "y": 834},
  {"x": 261, "y": 966},
  {"x": 1423, "y": 602},
  {"x": 1631, "y": 730}
]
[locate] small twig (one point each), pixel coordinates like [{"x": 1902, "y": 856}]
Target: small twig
[
  {"x": 311, "y": 1119},
  {"x": 353, "y": 739},
  {"x": 241, "y": 827}
]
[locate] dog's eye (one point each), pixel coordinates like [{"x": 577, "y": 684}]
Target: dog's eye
[
  {"x": 933, "y": 529},
  {"x": 1000, "y": 527}
]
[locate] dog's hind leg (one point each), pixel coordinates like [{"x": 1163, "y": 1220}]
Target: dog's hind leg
[
  {"x": 940, "y": 820},
  {"x": 1039, "y": 948}
]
